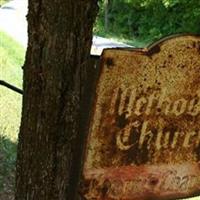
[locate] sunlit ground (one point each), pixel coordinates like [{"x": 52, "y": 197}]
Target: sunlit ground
[{"x": 11, "y": 60}]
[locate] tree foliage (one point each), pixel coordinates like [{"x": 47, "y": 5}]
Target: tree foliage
[
  {"x": 2, "y": 2},
  {"x": 150, "y": 19}
]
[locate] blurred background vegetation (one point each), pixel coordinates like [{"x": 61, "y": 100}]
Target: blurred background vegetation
[
  {"x": 140, "y": 22},
  {"x": 2, "y": 2}
]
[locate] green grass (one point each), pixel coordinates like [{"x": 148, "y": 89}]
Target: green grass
[
  {"x": 136, "y": 42},
  {"x": 11, "y": 60}
]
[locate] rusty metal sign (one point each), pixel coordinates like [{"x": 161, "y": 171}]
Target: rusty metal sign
[{"x": 144, "y": 133}]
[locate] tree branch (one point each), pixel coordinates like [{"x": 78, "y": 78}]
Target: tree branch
[{"x": 11, "y": 87}]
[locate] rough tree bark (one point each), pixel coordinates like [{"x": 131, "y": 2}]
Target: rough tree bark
[{"x": 49, "y": 157}]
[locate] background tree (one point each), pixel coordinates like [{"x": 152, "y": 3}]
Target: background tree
[
  {"x": 148, "y": 20},
  {"x": 49, "y": 153}
]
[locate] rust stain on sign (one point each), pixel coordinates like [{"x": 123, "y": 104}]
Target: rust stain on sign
[{"x": 144, "y": 134}]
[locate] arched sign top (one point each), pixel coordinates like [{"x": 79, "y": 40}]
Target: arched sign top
[
  {"x": 144, "y": 133},
  {"x": 155, "y": 45}
]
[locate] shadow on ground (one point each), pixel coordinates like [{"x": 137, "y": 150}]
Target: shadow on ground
[{"x": 7, "y": 168}]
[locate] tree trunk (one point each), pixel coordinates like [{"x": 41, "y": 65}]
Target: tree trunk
[{"x": 50, "y": 141}]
